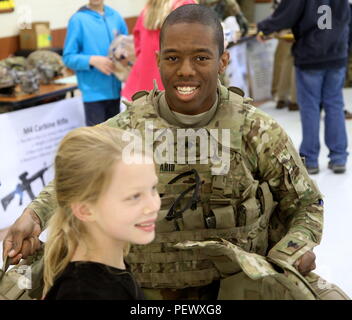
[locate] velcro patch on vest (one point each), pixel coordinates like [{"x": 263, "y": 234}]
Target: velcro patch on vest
[{"x": 291, "y": 246}]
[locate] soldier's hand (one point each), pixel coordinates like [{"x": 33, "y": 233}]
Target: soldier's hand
[
  {"x": 306, "y": 263},
  {"x": 22, "y": 239},
  {"x": 103, "y": 64}
]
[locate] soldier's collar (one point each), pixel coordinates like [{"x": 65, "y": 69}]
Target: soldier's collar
[{"x": 185, "y": 121}]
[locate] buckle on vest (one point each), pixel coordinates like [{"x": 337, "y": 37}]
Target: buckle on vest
[
  {"x": 192, "y": 203},
  {"x": 218, "y": 184}
]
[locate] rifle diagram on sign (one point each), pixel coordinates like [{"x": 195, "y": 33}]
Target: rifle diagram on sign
[{"x": 24, "y": 186}]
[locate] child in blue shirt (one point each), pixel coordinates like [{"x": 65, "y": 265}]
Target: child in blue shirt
[{"x": 89, "y": 34}]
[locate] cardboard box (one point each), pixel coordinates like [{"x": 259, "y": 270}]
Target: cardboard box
[{"x": 39, "y": 37}]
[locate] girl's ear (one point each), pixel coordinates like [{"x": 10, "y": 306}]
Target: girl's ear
[{"x": 82, "y": 211}]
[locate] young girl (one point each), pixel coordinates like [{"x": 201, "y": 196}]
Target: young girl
[{"x": 105, "y": 202}]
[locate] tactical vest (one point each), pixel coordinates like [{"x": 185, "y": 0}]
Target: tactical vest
[{"x": 197, "y": 205}]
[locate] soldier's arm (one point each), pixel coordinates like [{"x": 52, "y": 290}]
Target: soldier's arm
[
  {"x": 44, "y": 204},
  {"x": 300, "y": 209}
]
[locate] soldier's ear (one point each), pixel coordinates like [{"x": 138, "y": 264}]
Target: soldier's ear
[
  {"x": 82, "y": 211},
  {"x": 224, "y": 61}
]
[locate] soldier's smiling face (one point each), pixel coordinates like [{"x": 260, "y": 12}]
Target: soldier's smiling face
[{"x": 189, "y": 63}]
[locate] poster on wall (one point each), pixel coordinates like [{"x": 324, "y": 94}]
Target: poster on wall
[
  {"x": 7, "y": 6},
  {"x": 28, "y": 142}
]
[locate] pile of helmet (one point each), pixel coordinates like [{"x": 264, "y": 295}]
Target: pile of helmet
[{"x": 41, "y": 67}]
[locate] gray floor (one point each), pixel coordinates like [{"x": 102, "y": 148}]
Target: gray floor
[{"x": 334, "y": 254}]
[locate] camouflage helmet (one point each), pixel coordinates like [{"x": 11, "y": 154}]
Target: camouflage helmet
[
  {"x": 6, "y": 79},
  {"x": 15, "y": 63},
  {"x": 7, "y": 75},
  {"x": 48, "y": 63},
  {"x": 29, "y": 80}
]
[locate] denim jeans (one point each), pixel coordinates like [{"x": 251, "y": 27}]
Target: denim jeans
[
  {"x": 317, "y": 88},
  {"x": 100, "y": 111}
]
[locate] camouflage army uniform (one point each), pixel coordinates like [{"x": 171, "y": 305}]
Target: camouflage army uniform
[{"x": 267, "y": 211}]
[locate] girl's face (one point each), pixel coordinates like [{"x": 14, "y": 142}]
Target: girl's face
[{"x": 128, "y": 209}]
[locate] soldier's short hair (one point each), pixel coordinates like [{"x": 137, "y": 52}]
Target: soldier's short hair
[{"x": 195, "y": 13}]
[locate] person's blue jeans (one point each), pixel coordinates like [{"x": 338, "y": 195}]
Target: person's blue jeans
[
  {"x": 99, "y": 111},
  {"x": 317, "y": 88}
]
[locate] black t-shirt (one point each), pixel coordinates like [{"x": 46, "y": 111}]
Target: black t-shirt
[{"x": 94, "y": 281}]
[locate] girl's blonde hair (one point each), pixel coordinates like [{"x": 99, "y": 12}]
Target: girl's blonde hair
[
  {"x": 156, "y": 12},
  {"x": 83, "y": 169}
]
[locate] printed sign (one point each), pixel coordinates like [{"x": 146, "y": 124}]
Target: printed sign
[{"x": 28, "y": 142}]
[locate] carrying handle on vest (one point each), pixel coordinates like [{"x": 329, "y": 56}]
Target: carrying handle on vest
[{"x": 192, "y": 203}]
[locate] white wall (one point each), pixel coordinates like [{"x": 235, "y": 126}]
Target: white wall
[
  {"x": 262, "y": 11},
  {"x": 57, "y": 12}
]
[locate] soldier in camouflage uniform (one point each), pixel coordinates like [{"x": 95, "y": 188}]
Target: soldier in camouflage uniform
[{"x": 245, "y": 231}]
